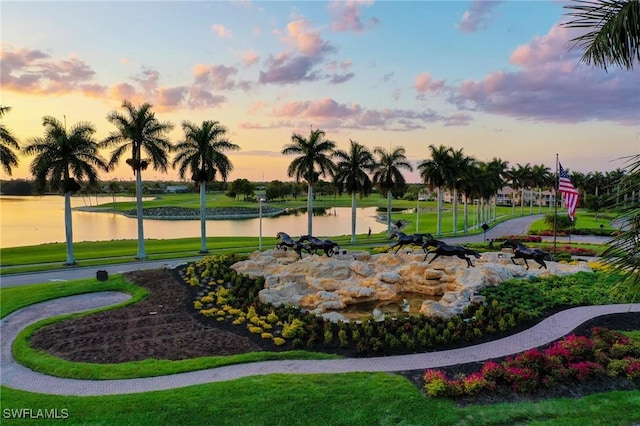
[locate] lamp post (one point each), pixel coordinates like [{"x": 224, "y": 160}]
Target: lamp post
[
  {"x": 417, "y": 212},
  {"x": 261, "y": 200}
]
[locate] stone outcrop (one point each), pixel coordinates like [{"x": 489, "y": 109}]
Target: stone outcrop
[{"x": 327, "y": 285}]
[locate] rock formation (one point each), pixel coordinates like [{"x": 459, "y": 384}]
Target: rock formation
[{"x": 327, "y": 285}]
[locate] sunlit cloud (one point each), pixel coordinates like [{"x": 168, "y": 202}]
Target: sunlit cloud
[
  {"x": 256, "y": 107},
  {"x": 424, "y": 83},
  {"x": 551, "y": 86},
  {"x": 35, "y": 72},
  {"x": 250, "y": 58},
  {"x": 221, "y": 31},
  {"x": 347, "y": 16},
  {"x": 478, "y": 16}
]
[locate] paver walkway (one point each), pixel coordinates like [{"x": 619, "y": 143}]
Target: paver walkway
[{"x": 16, "y": 376}]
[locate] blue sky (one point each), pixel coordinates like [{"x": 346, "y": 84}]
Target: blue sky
[{"x": 497, "y": 79}]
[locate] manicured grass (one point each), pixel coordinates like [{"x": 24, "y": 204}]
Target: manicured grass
[
  {"x": 14, "y": 298},
  {"x": 584, "y": 220},
  {"x": 338, "y": 399}
]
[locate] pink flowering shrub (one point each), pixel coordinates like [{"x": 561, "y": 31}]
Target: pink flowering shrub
[{"x": 574, "y": 358}]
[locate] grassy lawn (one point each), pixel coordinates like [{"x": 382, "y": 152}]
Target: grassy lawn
[{"x": 331, "y": 399}]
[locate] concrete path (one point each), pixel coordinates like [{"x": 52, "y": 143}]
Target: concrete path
[{"x": 16, "y": 376}]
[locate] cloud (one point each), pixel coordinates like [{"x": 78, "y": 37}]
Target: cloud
[
  {"x": 250, "y": 58},
  {"x": 33, "y": 71},
  {"x": 221, "y": 31},
  {"x": 294, "y": 70},
  {"x": 478, "y": 15},
  {"x": 330, "y": 114},
  {"x": 347, "y": 16},
  {"x": 307, "y": 50},
  {"x": 551, "y": 86},
  {"x": 424, "y": 83},
  {"x": 219, "y": 77},
  {"x": 256, "y": 107},
  {"x": 341, "y": 78}
]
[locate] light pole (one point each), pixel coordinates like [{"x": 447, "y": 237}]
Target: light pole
[
  {"x": 261, "y": 200},
  {"x": 417, "y": 212}
]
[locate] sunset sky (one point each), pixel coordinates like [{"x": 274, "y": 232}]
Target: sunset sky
[{"x": 498, "y": 79}]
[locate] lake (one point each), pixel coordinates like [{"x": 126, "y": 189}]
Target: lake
[{"x": 26, "y": 221}]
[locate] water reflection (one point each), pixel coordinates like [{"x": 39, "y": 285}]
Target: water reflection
[{"x": 39, "y": 220}]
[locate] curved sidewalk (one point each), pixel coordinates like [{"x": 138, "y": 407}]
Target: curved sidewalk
[{"x": 16, "y": 376}]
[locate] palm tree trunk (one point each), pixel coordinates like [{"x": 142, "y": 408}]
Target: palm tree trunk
[
  {"x": 439, "y": 215},
  {"x": 203, "y": 218},
  {"x": 389, "y": 213},
  {"x": 455, "y": 211},
  {"x": 353, "y": 217},
  {"x": 310, "y": 209},
  {"x": 68, "y": 229},
  {"x": 466, "y": 214},
  {"x": 139, "y": 213},
  {"x": 522, "y": 202}
]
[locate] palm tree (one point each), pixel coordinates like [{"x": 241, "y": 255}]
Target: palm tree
[
  {"x": 613, "y": 37},
  {"x": 436, "y": 173},
  {"x": 612, "y": 34},
  {"x": 458, "y": 165},
  {"x": 469, "y": 183},
  {"x": 496, "y": 173},
  {"x": 387, "y": 174},
  {"x": 8, "y": 143},
  {"x": 138, "y": 130},
  {"x": 541, "y": 175},
  {"x": 62, "y": 157},
  {"x": 201, "y": 152},
  {"x": 313, "y": 152},
  {"x": 351, "y": 175}
]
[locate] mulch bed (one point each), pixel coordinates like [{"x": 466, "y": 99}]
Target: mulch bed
[{"x": 165, "y": 326}]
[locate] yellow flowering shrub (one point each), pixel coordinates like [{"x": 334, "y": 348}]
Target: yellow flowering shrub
[
  {"x": 238, "y": 321},
  {"x": 255, "y": 330},
  {"x": 194, "y": 282},
  {"x": 206, "y": 299},
  {"x": 207, "y": 312},
  {"x": 266, "y": 336},
  {"x": 197, "y": 305},
  {"x": 272, "y": 317},
  {"x": 279, "y": 341}
]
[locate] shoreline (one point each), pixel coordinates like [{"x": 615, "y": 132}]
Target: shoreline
[{"x": 183, "y": 213}]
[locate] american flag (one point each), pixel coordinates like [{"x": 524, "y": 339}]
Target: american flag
[{"x": 569, "y": 192}]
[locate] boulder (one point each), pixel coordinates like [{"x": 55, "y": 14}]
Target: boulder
[{"x": 324, "y": 284}]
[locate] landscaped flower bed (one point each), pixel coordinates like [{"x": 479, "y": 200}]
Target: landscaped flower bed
[
  {"x": 221, "y": 295},
  {"x": 575, "y": 358}
]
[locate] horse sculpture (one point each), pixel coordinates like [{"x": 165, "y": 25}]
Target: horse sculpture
[
  {"x": 444, "y": 249},
  {"x": 287, "y": 242},
  {"x": 315, "y": 244},
  {"x": 520, "y": 251},
  {"x": 405, "y": 240}
]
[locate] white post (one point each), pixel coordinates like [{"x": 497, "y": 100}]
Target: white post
[{"x": 418, "y": 213}]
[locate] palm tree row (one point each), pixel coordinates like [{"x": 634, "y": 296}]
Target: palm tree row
[{"x": 63, "y": 157}]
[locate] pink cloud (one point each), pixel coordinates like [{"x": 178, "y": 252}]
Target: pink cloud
[
  {"x": 33, "y": 71},
  {"x": 221, "y": 31},
  {"x": 219, "y": 77},
  {"x": 424, "y": 83},
  {"x": 478, "y": 15},
  {"x": 305, "y": 40},
  {"x": 330, "y": 114},
  {"x": 250, "y": 58},
  {"x": 256, "y": 107},
  {"x": 347, "y": 16},
  {"x": 551, "y": 85}
]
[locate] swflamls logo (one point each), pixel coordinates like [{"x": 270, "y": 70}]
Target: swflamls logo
[{"x": 35, "y": 413}]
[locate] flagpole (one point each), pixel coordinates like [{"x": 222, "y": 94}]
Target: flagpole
[{"x": 555, "y": 206}]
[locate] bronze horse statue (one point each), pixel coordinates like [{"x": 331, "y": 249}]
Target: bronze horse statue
[
  {"x": 330, "y": 248},
  {"x": 406, "y": 240},
  {"x": 520, "y": 251},
  {"x": 287, "y": 242},
  {"x": 444, "y": 249}
]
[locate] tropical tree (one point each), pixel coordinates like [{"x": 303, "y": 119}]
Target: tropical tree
[
  {"x": 61, "y": 157},
  {"x": 458, "y": 167},
  {"x": 201, "y": 153},
  {"x": 436, "y": 172},
  {"x": 470, "y": 184},
  {"x": 8, "y": 143},
  {"x": 388, "y": 174},
  {"x": 612, "y": 37},
  {"x": 314, "y": 152},
  {"x": 611, "y": 31},
  {"x": 139, "y": 132},
  {"x": 351, "y": 176},
  {"x": 496, "y": 173}
]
